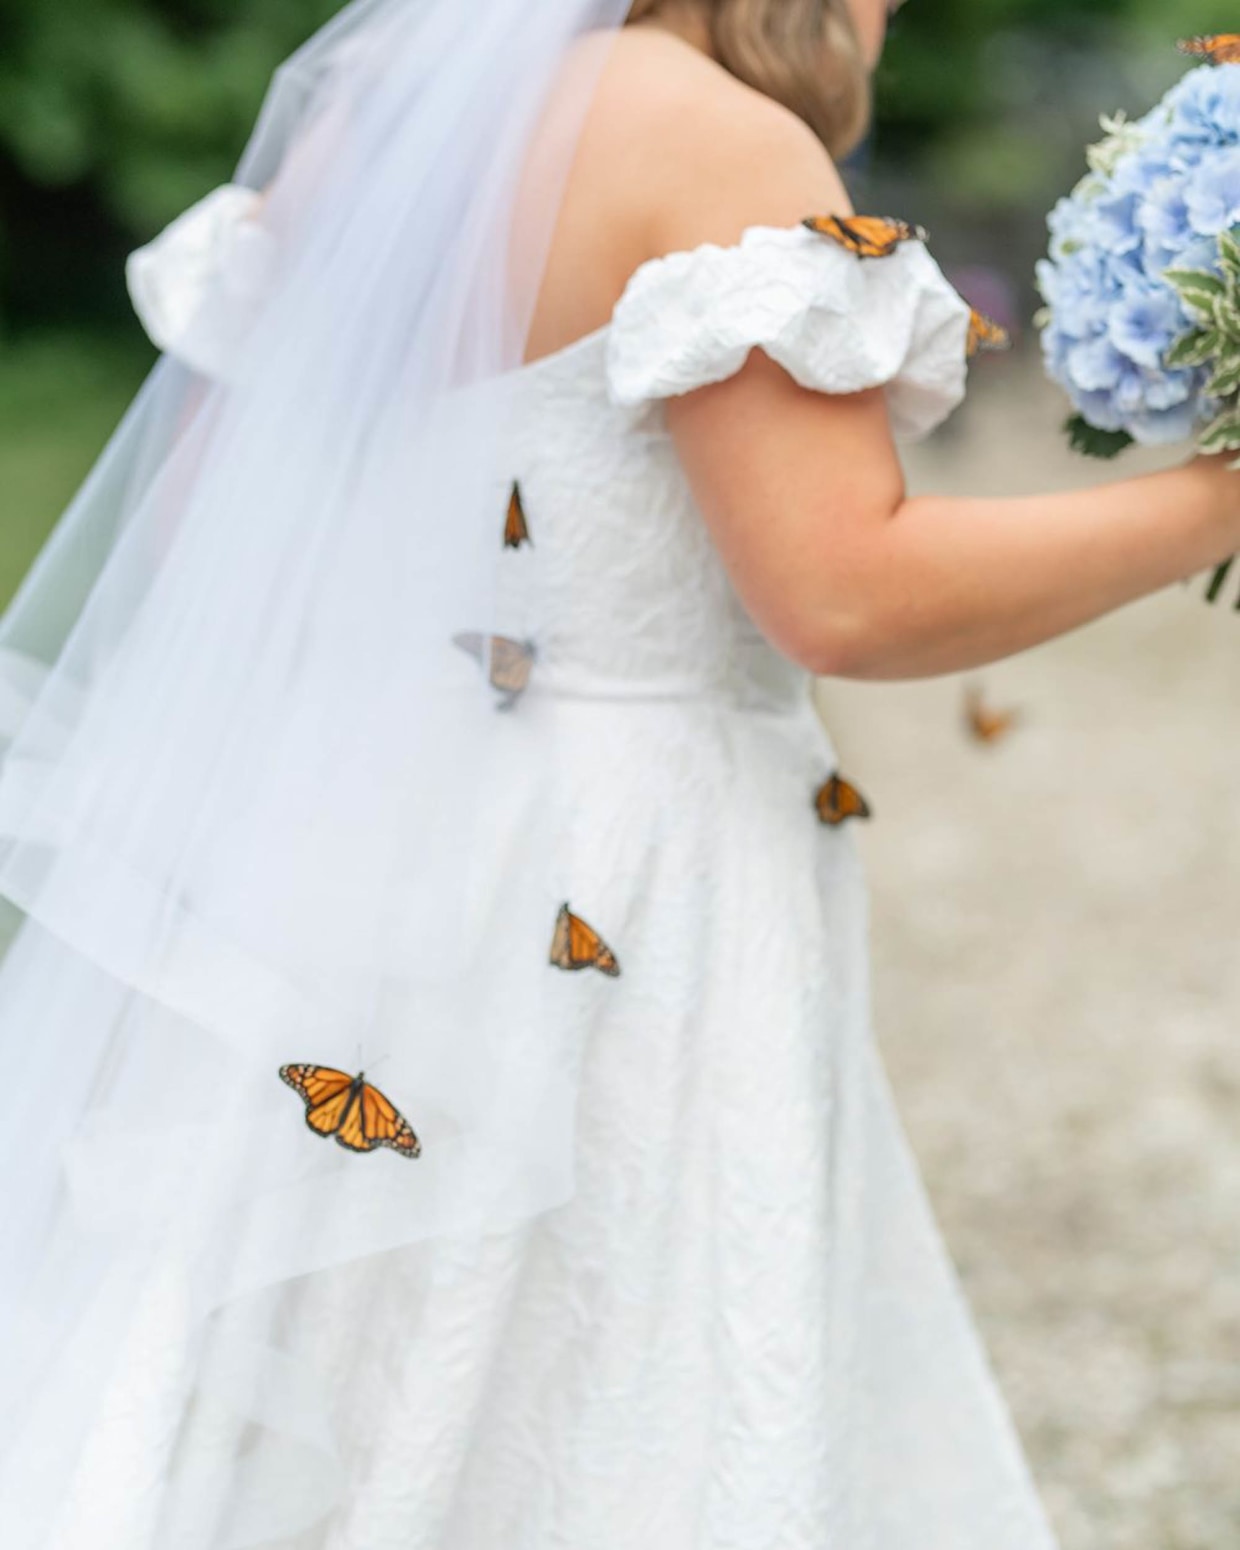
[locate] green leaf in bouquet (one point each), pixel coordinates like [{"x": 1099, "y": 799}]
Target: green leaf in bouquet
[
  {"x": 1227, "y": 319},
  {"x": 1229, "y": 251},
  {"x": 1225, "y": 383},
  {"x": 1197, "y": 289},
  {"x": 1222, "y": 434},
  {"x": 1091, "y": 441},
  {"x": 1196, "y": 348}
]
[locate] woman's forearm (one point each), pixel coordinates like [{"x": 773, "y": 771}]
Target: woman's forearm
[{"x": 957, "y": 583}]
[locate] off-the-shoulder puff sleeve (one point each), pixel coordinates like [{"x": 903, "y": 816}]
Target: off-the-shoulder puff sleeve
[
  {"x": 199, "y": 285},
  {"x": 835, "y": 322}
]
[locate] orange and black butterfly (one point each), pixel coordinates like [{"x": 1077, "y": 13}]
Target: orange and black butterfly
[
  {"x": 986, "y": 334},
  {"x": 578, "y": 946},
  {"x": 516, "y": 529},
  {"x": 983, "y": 724},
  {"x": 1220, "y": 49},
  {"x": 350, "y": 1109},
  {"x": 837, "y": 800},
  {"x": 508, "y": 662},
  {"x": 868, "y": 236}
]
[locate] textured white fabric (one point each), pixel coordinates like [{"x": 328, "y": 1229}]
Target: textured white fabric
[
  {"x": 743, "y": 1332},
  {"x": 834, "y": 322},
  {"x": 199, "y": 284}
]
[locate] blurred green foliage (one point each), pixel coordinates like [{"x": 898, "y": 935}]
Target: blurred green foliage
[
  {"x": 117, "y": 114},
  {"x": 992, "y": 99}
]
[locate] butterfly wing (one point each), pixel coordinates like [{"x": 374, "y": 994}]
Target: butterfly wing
[
  {"x": 986, "y": 334},
  {"x": 868, "y": 236},
  {"x": 838, "y": 800},
  {"x": 472, "y": 643},
  {"x": 1219, "y": 48},
  {"x": 511, "y": 661},
  {"x": 358, "y": 1115},
  {"x": 516, "y": 529},
  {"x": 577, "y": 945},
  {"x": 986, "y": 725},
  {"x": 508, "y": 661},
  {"x": 383, "y": 1124},
  {"x": 325, "y": 1092}
]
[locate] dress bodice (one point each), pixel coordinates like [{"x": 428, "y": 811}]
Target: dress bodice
[{"x": 620, "y": 589}]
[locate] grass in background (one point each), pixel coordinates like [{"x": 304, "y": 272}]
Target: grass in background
[{"x": 61, "y": 396}]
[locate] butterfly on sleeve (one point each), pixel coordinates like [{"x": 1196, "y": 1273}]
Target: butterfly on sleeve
[
  {"x": 985, "y": 334},
  {"x": 868, "y": 236}
]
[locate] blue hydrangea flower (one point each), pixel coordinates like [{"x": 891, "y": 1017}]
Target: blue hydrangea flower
[{"x": 1160, "y": 193}]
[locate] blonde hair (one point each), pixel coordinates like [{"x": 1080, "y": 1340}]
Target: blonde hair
[{"x": 804, "y": 54}]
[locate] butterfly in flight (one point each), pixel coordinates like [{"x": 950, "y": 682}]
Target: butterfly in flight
[
  {"x": 578, "y": 946},
  {"x": 986, "y": 334},
  {"x": 868, "y": 236},
  {"x": 350, "y": 1109},
  {"x": 837, "y": 800},
  {"x": 1220, "y": 49},
  {"x": 983, "y": 724},
  {"x": 516, "y": 529},
  {"x": 508, "y": 662}
]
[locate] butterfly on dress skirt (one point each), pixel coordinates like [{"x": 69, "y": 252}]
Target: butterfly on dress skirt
[
  {"x": 868, "y": 236},
  {"x": 837, "y": 800},
  {"x": 516, "y": 529},
  {"x": 508, "y": 662},
  {"x": 985, "y": 334},
  {"x": 1220, "y": 49},
  {"x": 578, "y": 946},
  {"x": 347, "y": 1107},
  {"x": 983, "y": 724}
]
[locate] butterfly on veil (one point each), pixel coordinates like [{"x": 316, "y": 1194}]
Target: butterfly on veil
[
  {"x": 868, "y": 236},
  {"x": 576, "y": 945},
  {"x": 347, "y": 1107},
  {"x": 508, "y": 662},
  {"x": 516, "y": 528},
  {"x": 985, "y": 334},
  {"x": 837, "y": 800},
  {"x": 1219, "y": 49},
  {"x": 982, "y": 723}
]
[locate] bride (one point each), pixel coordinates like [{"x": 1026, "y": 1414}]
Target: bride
[{"x": 441, "y": 1110}]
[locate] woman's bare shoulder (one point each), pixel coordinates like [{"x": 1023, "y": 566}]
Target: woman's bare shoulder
[
  {"x": 699, "y": 154},
  {"x": 672, "y": 152}
]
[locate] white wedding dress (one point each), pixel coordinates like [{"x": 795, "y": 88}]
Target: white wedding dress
[{"x": 743, "y": 1332}]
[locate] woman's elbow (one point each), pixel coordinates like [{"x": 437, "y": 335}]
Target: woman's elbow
[{"x": 835, "y": 643}]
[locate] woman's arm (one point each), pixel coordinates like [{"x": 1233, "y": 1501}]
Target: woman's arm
[
  {"x": 805, "y": 498},
  {"x": 804, "y": 493}
]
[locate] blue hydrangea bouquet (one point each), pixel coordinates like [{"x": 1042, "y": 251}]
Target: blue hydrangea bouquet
[{"x": 1142, "y": 286}]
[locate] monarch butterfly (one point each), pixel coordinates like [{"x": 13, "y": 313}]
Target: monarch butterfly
[
  {"x": 509, "y": 662},
  {"x": 986, "y": 334},
  {"x": 1221, "y": 49},
  {"x": 516, "y": 529},
  {"x": 837, "y": 800},
  {"x": 349, "y": 1108},
  {"x": 868, "y": 236},
  {"x": 986, "y": 726},
  {"x": 578, "y": 946}
]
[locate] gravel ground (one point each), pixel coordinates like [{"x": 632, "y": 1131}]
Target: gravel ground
[{"x": 1058, "y": 1001}]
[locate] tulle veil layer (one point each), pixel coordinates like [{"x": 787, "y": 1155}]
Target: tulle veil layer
[{"x": 242, "y": 795}]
